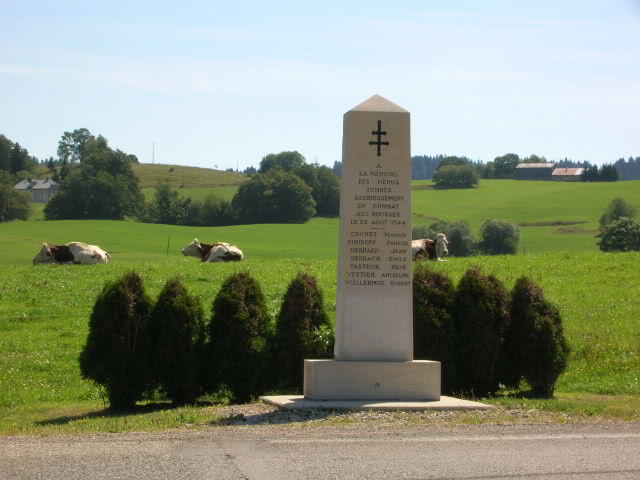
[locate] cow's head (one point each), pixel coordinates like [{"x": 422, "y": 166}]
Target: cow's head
[
  {"x": 44, "y": 255},
  {"x": 193, "y": 249},
  {"x": 441, "y": 239},
  {"x": 441, "y": 245}
]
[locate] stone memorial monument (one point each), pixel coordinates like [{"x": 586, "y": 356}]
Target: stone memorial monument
[
  {"x": 374, "y": 365},
  {"x": 374, "y": 320}
]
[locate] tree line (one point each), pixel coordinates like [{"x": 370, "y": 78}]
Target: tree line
[
  {"x": 423, "y": 167},
  {"x": 15, "y": 164},
  {"x": 96, "y": 181}
]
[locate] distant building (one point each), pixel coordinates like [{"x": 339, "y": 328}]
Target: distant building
[
  {"x": 41, "y": 190},
  {"x": 534, "y": 171},
  {"x": 567, "y": 174}
]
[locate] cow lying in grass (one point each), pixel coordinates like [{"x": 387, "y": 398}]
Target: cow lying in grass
[
  {"x": 72, "y": 252},
  {"x": 215, "y": 252},
  {"x": 426, "y": 248}
]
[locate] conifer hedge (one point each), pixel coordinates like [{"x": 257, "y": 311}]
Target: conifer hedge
[
  {"x": 482, "y": 336},
  {"x": 535, "y": 346},
  {"x": 303, "y": 331},
  {"x": 113, "y": 356},
  {"x": 175, "y": 337},
  {"x": 481, "y": 318},
  {"x": 434, "y": 334},
  {"x": 239, "y": 333}
]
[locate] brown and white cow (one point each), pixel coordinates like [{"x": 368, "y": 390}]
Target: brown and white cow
[
  {"x": 423, "y": 248},
  {"x": 73, "y": 252},
  {"x": 426, "y": 248},
  {"x": 214, "y": 252}
]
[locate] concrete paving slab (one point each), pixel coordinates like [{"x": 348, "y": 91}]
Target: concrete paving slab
[{"x": 292, "y": 402}]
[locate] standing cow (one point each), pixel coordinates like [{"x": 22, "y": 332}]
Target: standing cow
[
  {"x": 73, "y": 252},
  {"x": 215, "y": 252}
]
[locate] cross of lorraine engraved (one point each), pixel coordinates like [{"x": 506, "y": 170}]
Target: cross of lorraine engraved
[{"x": 379, "y": 133}]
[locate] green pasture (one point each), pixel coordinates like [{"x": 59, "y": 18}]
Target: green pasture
[
  {"x": 139, "y": 243},
  {"x": 553, "y": 215},
  {"x": 44, "y": 309}
]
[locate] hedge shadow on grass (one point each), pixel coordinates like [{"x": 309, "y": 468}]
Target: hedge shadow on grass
[{"x": 112, "y": 413}]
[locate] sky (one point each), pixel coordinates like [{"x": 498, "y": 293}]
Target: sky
[{"x": 222, "y": 84}]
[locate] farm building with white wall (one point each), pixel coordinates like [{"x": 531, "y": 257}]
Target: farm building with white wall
[{"x": 41, "y": 190}]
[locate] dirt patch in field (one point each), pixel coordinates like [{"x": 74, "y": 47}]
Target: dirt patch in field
[
  {"x": 576, "y": 230},
  {"x": 552, "y": 223},
  {"x": 425, "y": 217}
]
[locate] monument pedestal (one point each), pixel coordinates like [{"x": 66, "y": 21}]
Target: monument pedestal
[{"x": 416, "y": 380}]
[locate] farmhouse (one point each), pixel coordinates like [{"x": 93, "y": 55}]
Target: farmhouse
[
  {"x": 567, "y": 174},
  {"x": 534, "y": 171},
  {"x": 41, "y": 190}
]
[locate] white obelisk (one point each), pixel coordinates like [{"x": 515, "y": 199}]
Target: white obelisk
[{"x": 374, "y": 319}]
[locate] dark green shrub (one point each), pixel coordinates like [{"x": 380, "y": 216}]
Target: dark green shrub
[
  {"x": 499, "y": 237},
  {"x": 459, "y": 236},
  {"x": 420, "y": 231},
  {"x": 303, "y": 331},
  {"x": 274, "y": 197},
  {"x": 481, "y": 318},
  {"x": 13, "y": 204},
  {"x": 622, "y": 235},
  {"x": 113, "y": 356},
  {"x": 174, "y": 339},
  {"x": 433, "y": 324},
  {"x": 535, "y": 347},
  {"x": 455, "y": 176},
  {"x": 239, "y": 332},
  {"x": 617, "y": 209}
]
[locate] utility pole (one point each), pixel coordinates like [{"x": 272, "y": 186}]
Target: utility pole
[{"x": 153, "y": 152}]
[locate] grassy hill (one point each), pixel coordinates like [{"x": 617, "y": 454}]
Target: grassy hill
[
  {"x": 179, "y": 176},
  {"x": 194, "y": 182}
]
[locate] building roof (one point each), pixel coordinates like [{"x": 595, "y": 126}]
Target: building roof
[
  {"x": 535, "y": 165},
  {"x": 30, "y": 184},
  {"x": 23, "y": 185},
  {"x": 45, "y": 184},
  {"x": 568, "y": 171}
]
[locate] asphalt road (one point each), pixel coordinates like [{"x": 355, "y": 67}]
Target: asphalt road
[{"x": 583, "y": 452}]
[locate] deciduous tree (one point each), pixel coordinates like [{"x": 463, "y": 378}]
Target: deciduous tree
[
  {"x": 277, "y": 196},
  {"x": 282, "y": 161},
  {"x": 71, "y": 145}
]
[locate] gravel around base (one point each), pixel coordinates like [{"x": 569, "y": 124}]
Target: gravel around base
[{"x": 255, "y": 414}]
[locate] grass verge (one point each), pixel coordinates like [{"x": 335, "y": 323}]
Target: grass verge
[{"x": 92, "y": 417}]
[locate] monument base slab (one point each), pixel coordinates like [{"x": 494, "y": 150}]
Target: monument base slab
[
  {"x": 417, "y": 380},
  {"x": 298, "y": 402}
]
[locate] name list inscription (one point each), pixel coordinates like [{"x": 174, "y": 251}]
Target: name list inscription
[{"x": 378, "y": 245}]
